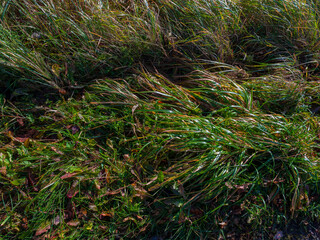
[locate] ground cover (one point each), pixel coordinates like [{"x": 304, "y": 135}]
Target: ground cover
[{"x": 159, "y": 119}]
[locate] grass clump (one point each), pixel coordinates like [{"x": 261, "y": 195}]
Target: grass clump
[{"x": 158, "y": 119}]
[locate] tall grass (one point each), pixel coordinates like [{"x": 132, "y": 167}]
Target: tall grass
[
  {"x": 62, "y": 43},
  {"x": 158, "y": 119}
]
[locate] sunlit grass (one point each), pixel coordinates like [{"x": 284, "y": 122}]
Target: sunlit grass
[{"x": 158, "y": 119}]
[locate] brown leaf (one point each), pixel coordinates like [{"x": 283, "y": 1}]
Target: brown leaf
[
  {"x": 110, "y": 193},
  {"x": 228, "y": 185},
  {"x": 129, "y": 219},
  {"x": 24, "y": 223},
  {"x": 42, "y": 230},
  {"x": 68, "y": 175},
  {"x": 9, "y": 134},
  {"x": 3, "y": 170},
  {"x": 126, "y": 158},
  {"x": 27, "y": 142},
  {"x": 62, "y": 91},
  {"x": 96, "y": 183},
  {"x": 72, "y": 192},
  {"x": 144, "y": 228},
  {"x": 243, "y": 186},
  {"x": 106, "y": 214},
  {"x": 75, "y": 129},
  {"x": 140, "y": 191},
  {"x": 73, "y": 223},
  {"x": 21, "y": 139},
  {"x": 103, "y": 227},
  {"x": 82, "y": 213},
  {"x": 56, "y": 150},
  {"x": 107, "y": 175},
  {"x": 20, "y": 121},
  {"x": 93, "y": 207},
  {"x": 56, "y": 220},
  {"x": 223, "y": 224}
]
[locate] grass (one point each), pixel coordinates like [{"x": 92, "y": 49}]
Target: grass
[{"x": 159, "y": 119}]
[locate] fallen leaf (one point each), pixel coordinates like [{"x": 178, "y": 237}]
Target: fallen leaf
[
  {"x": 56, "y": 220},
  {"x": 21, "y": 139},
  {"x": 68, "y": 175},
  {"x": 106, "y": 214},
  {"x": 25, "y": 223},
  {"x": 103, "y": 227},
  {"x": 134, "y": 108},
  {"x": 129, "y": 219},
  {"x": 96, "y": 183},
  {"x": 223, "y": 224},
  {"x": 126, "y": 157},
  {"x": 242, "y": 187},
  {"x": 20, "y": 121},
  {"x": 144, "y": 228},
  {"x": 73, "y": 223},
  {"x": 82, "y": 213},
  {"x": 56, "y": 150},
  {"x": 42, "y": 230},
  {"x": 27, "y": 142},
  {"x": 62, "y": 91},
  {"x": 93, "y": 207},
  {"x": 3, "y": 170},
  {"x": 140, "y": 191},
  {"x": 107, "y": 175},
  {"x": 57, "y": 159},
  {"x": 9, "y": 135},
  {"x": 75, "y": 129},
  {"x": 110, "y": 193},
  {"x": 72, "y": 192},
  {"x": 228, "y": 185}
]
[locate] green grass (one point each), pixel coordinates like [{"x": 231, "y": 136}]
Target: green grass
[{"x": 158, "y": 119}]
